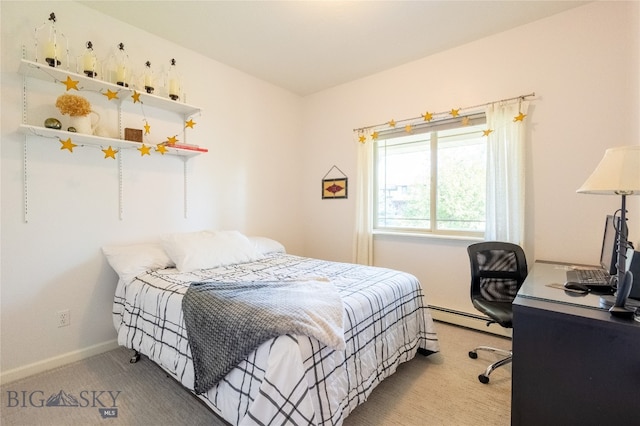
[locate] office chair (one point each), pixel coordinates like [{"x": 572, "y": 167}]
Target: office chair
[{"x": 498, "y": 269}]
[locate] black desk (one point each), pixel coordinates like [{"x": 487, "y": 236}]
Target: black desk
[{"x": 573, "y": 363}]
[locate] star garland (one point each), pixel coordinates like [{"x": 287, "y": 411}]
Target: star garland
[
  {"x": 110, "y": 152},
  {"x": 67, "y": 144},
  {"x": 429, "y": 116},
  {"x": 71, "y": 84}
]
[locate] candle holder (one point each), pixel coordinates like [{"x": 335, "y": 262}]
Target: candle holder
[
  {"x": 173, "y": 81},
  {"x": 148, "y": 78},
  {"x": 50, "y": 44},
  {"x": 121, "y": 71},
  {"x": 88, "y": 63}
]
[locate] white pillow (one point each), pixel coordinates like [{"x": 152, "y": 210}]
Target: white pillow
[
  {"x": 266, "y": 245},
  {"x": 208, "y": 249},
  {"x": 129, "y": 261}
]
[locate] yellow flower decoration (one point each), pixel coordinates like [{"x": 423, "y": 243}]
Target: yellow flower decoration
[{"x": 74, "y": 105}]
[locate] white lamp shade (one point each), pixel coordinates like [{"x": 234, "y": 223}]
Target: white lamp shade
[{"x": 618, "y": 173}]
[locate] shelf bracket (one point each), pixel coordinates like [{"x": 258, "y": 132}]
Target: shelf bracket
[
  {"x": 25, "y": 187},
  {"x": 120, "y": 187},
  {"x": 185, "y": 201}
]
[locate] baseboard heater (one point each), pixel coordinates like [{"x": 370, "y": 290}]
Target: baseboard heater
[{"x": 466, "y": 319}]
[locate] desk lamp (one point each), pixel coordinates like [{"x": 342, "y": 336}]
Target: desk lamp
[{"x": 618, "y": 174}]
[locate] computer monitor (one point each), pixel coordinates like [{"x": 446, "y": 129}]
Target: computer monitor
[{"x": 609, "y": 251}]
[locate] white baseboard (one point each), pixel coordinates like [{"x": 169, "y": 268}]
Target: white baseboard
[
  {"x": 465, "y": 319},
  {"x": 55, "y": 362}
]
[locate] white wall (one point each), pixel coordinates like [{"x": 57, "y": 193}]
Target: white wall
[
  {"x": 54, "y": 261},
  {"x": 582, "y": 64}
]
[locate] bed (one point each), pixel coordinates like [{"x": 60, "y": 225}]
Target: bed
[{"x": 291, "y": 378}]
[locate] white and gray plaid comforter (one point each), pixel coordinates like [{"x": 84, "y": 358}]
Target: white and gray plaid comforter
[{"x": 291, "y": 379}]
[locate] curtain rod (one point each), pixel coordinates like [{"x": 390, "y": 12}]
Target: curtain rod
[{"x": 522, "y": 97}]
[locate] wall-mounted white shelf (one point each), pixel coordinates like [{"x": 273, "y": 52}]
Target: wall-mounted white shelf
[
  {"x": 82, "y": 139},
  {"x": 47, "y": 73},
  {"x": 44, "y": 72}
]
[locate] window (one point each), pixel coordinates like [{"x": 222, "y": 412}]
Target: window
[{"x": 433, "y": 180}]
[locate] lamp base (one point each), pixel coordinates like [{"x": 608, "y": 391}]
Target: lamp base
[{"x": 621, "y": 312}]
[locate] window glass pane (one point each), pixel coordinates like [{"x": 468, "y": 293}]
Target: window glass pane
[
  {"x": 403, "y": 182},
  {"x": 408, "y": 177},
  {"x": 461, "y": 179}
]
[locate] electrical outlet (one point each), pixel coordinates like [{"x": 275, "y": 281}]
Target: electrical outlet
[{"x": 64, "y": 318}]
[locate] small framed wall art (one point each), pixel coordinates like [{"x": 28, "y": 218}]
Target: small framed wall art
[{"x": 335, "y": 187}]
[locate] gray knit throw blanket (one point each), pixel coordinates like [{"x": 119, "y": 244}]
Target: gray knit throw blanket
[{"x": 225, "y": 322}]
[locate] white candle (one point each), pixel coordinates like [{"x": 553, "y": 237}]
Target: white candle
[
  {"x": 50, "y": 50},
  {"x": 148, "y": 80},
  {"x": 173, "y": 87},
  {"x": 89, "y": 62},
  {"x": 121, "y": 73}
]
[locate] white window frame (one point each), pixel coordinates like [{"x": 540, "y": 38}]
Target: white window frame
[{"x": 432, "y": 128}]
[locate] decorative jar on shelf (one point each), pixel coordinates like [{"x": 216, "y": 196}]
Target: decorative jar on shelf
[
  {"x": 78, "y": 109},
  {"x": 86, "y": 124}
]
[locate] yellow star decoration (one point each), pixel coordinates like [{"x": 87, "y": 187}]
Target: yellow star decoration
[
  {"x": 519, "y": 117},
  {"x": 487, "y": 132},
  {"x": 427, "y": 116},
  {"x": 466, "y": 121},
  {"x": 190, "y": 123},
  {"x": 362, "y": 138},
  {"x": 161, "y": 148},
  {"x": 172, "y": 140},
  {"x": 111, "y": 95},
  {"x": 71, "y": 84},
  {"x": 392, "y": 123},
  {"x": 407, "y": 128},
  {"x": 374, "y": 135},
  {"x": 135, "y": 96},
  {"x": 110, "y": 152},
  {"x": 144, "y": 150},
  {"x": 67, "y": 145},
  {"x": 147, "y": 128},
  {"x": 454, "y": 112}
]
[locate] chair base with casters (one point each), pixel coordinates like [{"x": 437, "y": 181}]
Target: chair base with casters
[{"x": 484, "y": 378}]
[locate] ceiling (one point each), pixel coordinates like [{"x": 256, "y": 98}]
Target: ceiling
[{"x": 309, "y": 46}]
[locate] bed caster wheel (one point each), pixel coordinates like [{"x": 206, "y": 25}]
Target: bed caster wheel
[
  {"x": 483, "y": 379},
  {"x": 473, "y": 355},
  {"x": 135, "y": 358}
]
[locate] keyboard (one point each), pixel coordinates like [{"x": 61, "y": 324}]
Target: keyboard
[{"x": 590, "y": 277}]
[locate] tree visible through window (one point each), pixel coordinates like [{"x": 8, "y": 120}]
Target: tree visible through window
[{"x": 433, "y": 181}]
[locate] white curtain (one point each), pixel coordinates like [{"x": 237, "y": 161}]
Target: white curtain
[
  {"x": 505, "y": 172},
  {"x": 363, "y": 238}
]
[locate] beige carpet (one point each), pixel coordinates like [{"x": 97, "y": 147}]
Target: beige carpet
[{"x": 442, "y": 389}]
